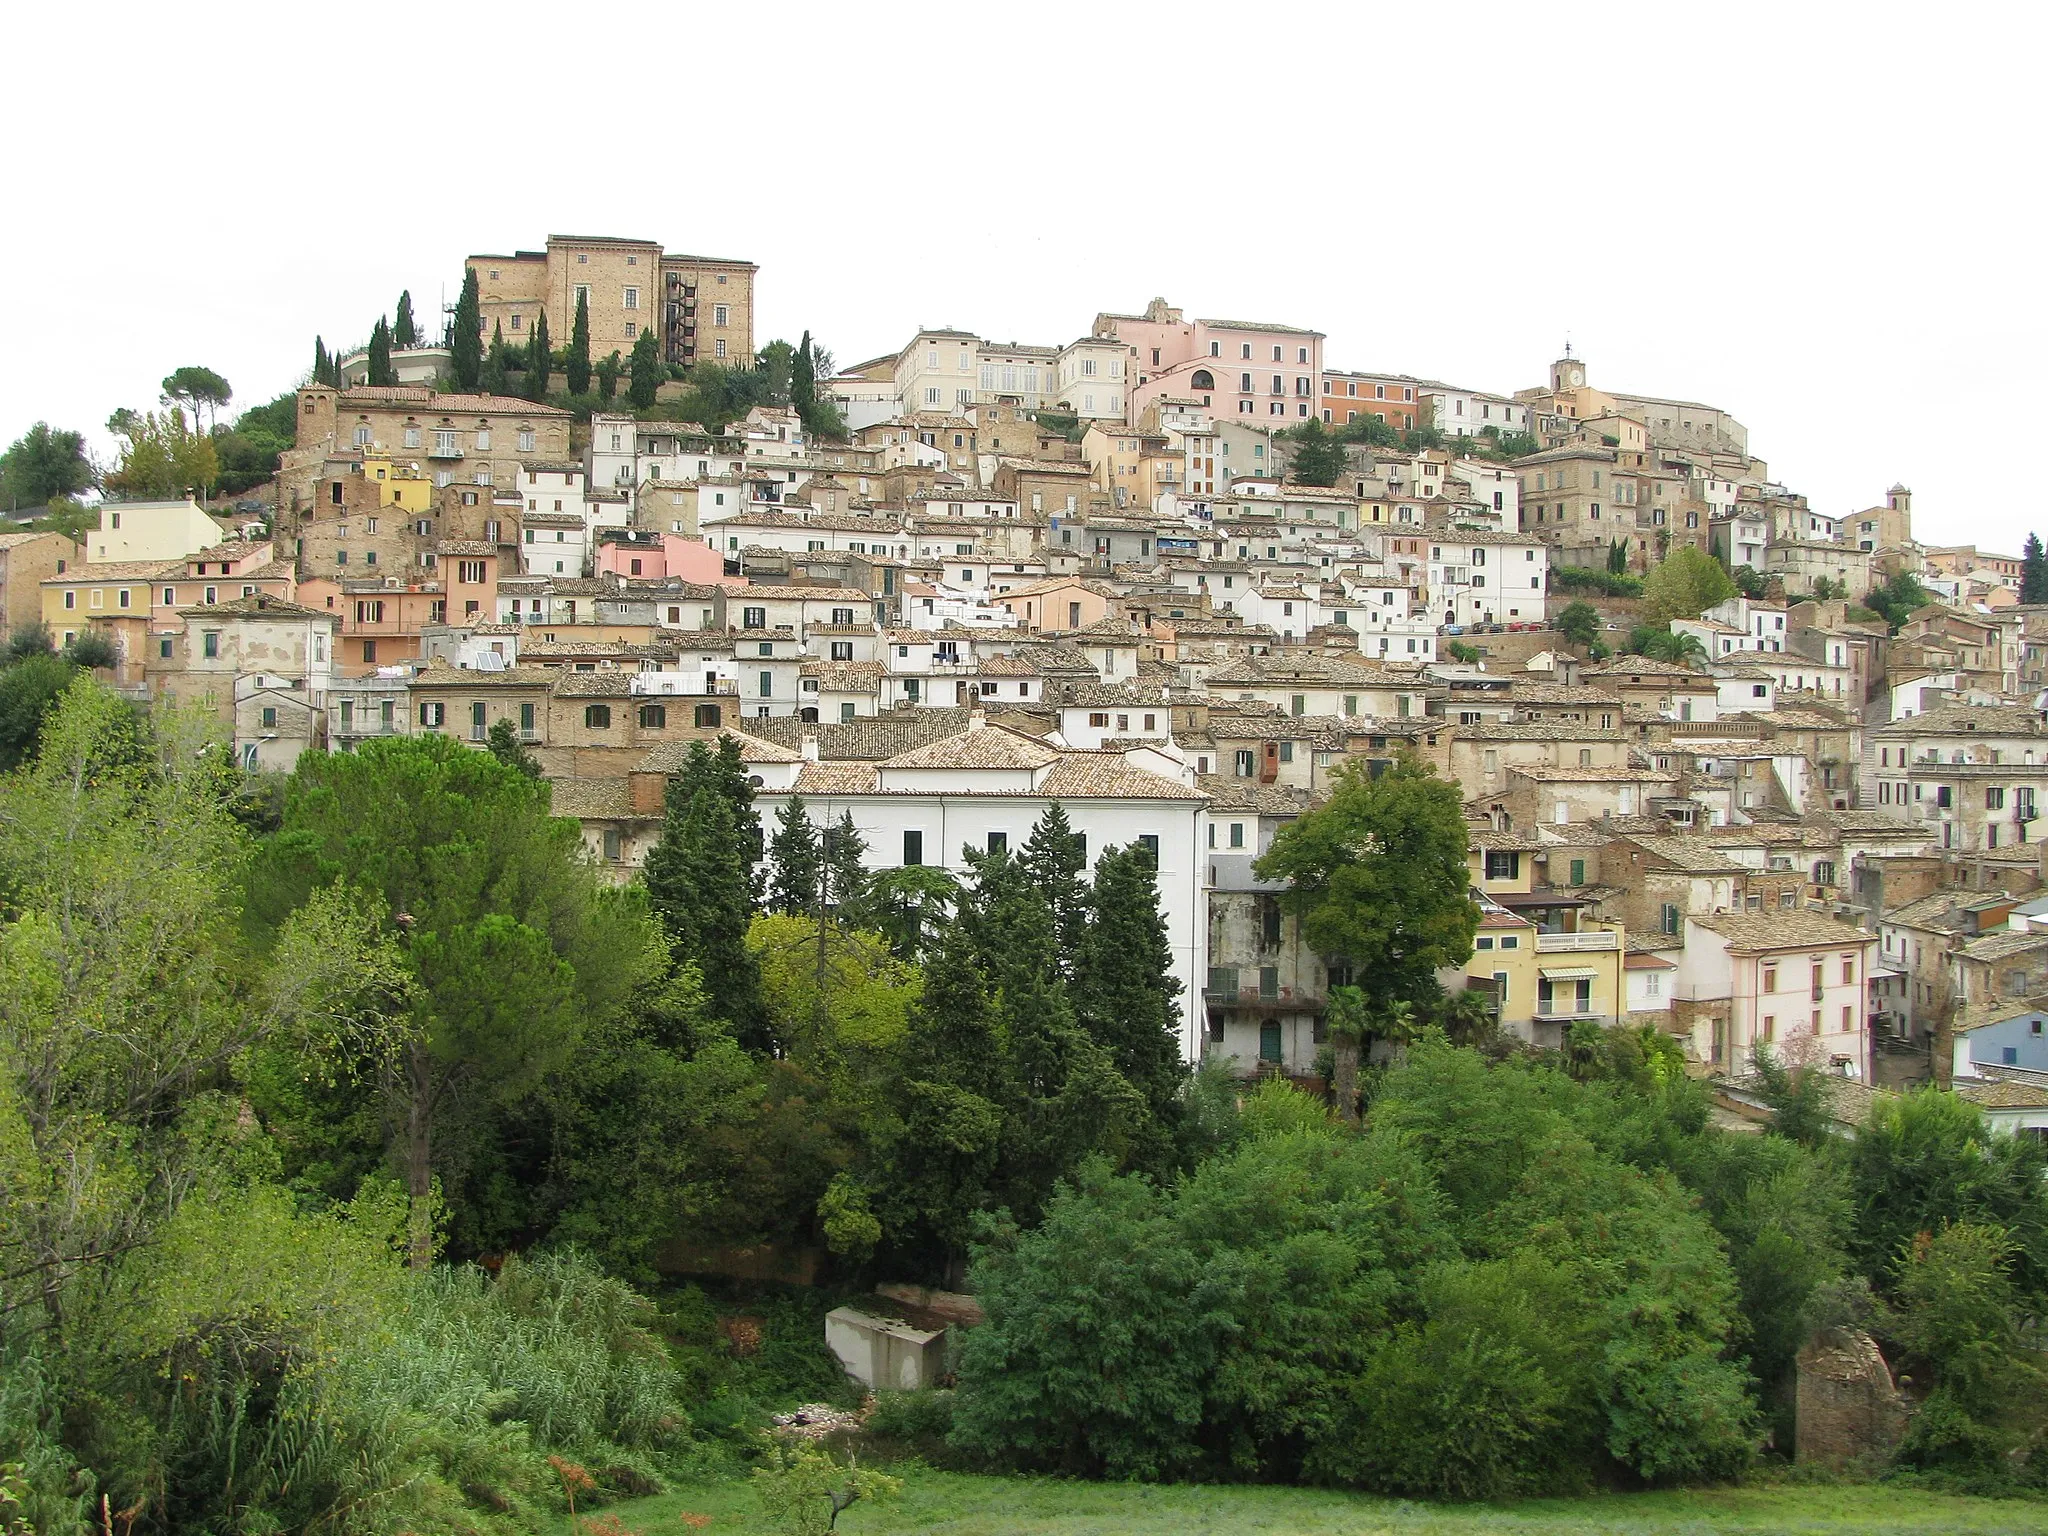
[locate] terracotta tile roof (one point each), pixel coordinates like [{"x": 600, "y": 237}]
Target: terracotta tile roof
[
  {"x": 117, "y": 570},
  {"x": 669, "y": 756},
  {"x": 836, "y": 779},
  {"x": 1782, "y": 930},
  {"x": 2004, "y": 1095},
  {"x": 604, "y": 799},
  {"x": 1106, "y": 776},
  {"x": 990, "y": 747}
]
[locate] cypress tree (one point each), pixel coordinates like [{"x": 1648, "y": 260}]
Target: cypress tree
[
  {"x": 495, "y": 375},
  {"x": 404, "y": 332},
  {"x": 2033, "y": 571},
  {"x": 466, "y": 336},
  {"x": 803, "y": 382},
  {"x": 320, "y": 361},
  {"x": 700, "y": 886},
  {"x": 847, "y": 882},
  {"x": 648, "y": 372},
  {"x": 540, "y": 360},
  {"x": 608, "y": 378},
  {"x": 1054, "y": 860},
  {"x": 794, "y": 863},
  {"x": 578, "y": 372},
  {"x": 1125, "y": 986},
  {"x": 381, "y": 371}
]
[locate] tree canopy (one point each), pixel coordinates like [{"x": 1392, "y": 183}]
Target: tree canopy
[
  {"x": 43, "y": 464},
  {"x": 1685, "y": 585}
]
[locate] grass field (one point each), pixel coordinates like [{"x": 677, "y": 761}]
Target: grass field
[{"x": 953, "y": 1504}]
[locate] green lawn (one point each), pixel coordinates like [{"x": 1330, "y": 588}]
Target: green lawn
[{"x": 953, "y": 1504}]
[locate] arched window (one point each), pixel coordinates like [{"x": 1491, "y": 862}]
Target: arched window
[{"x": 1202, "y": 379}]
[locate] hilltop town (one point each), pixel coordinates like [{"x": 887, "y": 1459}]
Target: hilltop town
[{"x": 1173, "y": 574}]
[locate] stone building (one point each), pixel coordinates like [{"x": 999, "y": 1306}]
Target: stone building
[{"x": 700, "y": 306}]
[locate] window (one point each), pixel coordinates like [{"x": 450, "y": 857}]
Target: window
[
  {"x": 269, "y": 717},
  {"x": 209, "y": 644},
  {"x": 610, "y": 843},
  {"x": 1669, "y": 918},
  {"x": 433, "y": 714},
  {"x": 1237, "y": 834},
  {"x": 597, "y": 717},
  {"x": 767, "y": 685},
  {"x": 526, "y": 719},
  {"x": 163, "y": 649},
  {"x": 998, "y": 842},
  {"x": 719, "y": 314},
  {"x": 706, "y": 716},
  {"x": 1578, "y": 871},
  {"x": 913, "y": 847},
  {"x": 753, "y": 618},
  {"x": 632, "y": 298}
]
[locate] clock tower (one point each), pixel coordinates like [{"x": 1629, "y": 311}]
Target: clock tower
[{"x": 1567, "y": 373}]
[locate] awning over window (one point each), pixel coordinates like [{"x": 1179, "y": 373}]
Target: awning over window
[{"x": 1567, "y": 972}]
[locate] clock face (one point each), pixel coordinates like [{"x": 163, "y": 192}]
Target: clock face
[{"x": 1578, "y": 377}]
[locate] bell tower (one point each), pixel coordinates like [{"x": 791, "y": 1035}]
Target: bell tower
[{"x": 1568, "y": 372}]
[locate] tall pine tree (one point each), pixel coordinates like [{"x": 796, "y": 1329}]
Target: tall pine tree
[
  {"x": 794, "y": 862},
  {"x": 648, "y": 374},
  {"x": 497, "y": 368},
  {"x": 466, "y": 336},
  {"x": 803, "y": 382},
  {"x": 700, "y": 885},
  {"x": 578, "y": 370},
  {"x": 847, "y": 881},
  {"x": 404, "y": 331},
  {"x": 2033, "y": 571},
  {"x": 320, "y": 374},
  {"x": 381, "y": 371},
  {"x": 1124, "y": 987},
  {"x": 1055, "y": 859},
  {"x": 540, "y": 359}
]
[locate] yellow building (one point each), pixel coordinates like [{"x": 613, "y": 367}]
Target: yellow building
[
  {"x": 1548, "y": 962},
  {"x": 400, "y": 483}
]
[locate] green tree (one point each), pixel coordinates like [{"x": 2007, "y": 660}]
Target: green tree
[
  {"x": 1578, "y": 624},
  {"x": 497, "y": 366},
  {"x": 540, "y": 359},
  {"x": 1668, "y": 645},
  {"x": 803, "y": 382},
  {"x": 775, "y": 363},
  {"x": 1055, "y": 860},
  {"x": 198, "y": 390},
  {"x": 699, "y": 880},
  {"x": 30, "y": 686},
  {"x": 250, "y": 450},
  {"x": 909, "y": 906},
  {"x": 405, "y": 332},
  {"x": 795, "y": 864},
  {"x": 504, "y": 744},
  {"x": 648, "y": 372},
  {"x": 578, "y": 373},
  {"x": 92, "y": 649},
  {"x": 381, "y": 371},
  {"x": 43, "y": 464},
  {"x": 466, "y": 335},
  {"x": 1898, "y": 599},
  {"x": 1316, "y": 457},
  {"x": 163, "y": 457},
  {"x": 1377, "y": 877},
  {"x": 1684, "y": 586},
  {"x": 608, "y": 370},
  {"x": 319, "y": 374},
  {"x": 1374, "y": 431},
  {"x": 1752, "y": 585},
  {"x": 1617, "y": 558},
  {"x": 1125, "y": 987},
  {"x": 2033, "y": 571},
  {"x": 1926, "y": 1158},
  {"x": 509, "y": 947},
  {"x": 805, "y": 1491}
]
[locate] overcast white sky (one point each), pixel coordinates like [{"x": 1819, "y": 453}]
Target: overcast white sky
[{"x": 1825, "y": 219}]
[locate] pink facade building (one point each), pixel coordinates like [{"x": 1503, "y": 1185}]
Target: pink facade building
[{"x": 1233, "y": 368}]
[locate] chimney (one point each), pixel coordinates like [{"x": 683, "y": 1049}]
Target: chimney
[
  {"x": 808, "y": 746},
  {"x": 977, "y": 719}
]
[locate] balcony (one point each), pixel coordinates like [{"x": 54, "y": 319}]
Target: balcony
[
  {"x": 1552, "y": 943},
  {"x": 1255, "y": 999},
  {"x": 1559, "y": 1011},
  {"x": 450, "y": 451}
]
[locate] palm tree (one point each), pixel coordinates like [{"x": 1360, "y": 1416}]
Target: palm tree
[
  {"x": 1469, "y": 1017},
  {"x": 1582, "y": 1042},
  {"x": 1667, "y": 645},
  {"x": 1348, "y": 1021}
]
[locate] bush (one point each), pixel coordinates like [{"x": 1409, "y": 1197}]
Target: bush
[
  {"x": 1580, "y": 579},
  {"x": 1469, "y": 1300},
  {"x": 912, "y": 1415}
]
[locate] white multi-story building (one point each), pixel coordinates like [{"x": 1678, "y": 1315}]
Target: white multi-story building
[{"x": 1479, "y": 577}]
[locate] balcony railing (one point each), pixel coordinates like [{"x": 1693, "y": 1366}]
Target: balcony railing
[
  {"x": 451, "y": 451},
  {"x": 1590, "y": 940},
  {"x": 1562, "y": 1010},
  {"x": 1289, "y": 998}
]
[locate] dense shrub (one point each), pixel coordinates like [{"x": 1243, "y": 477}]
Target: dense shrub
[{"x": 1469, "y": 1300}]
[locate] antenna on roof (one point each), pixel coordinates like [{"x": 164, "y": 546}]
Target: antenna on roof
[{"x": 1567, "y": 343}]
